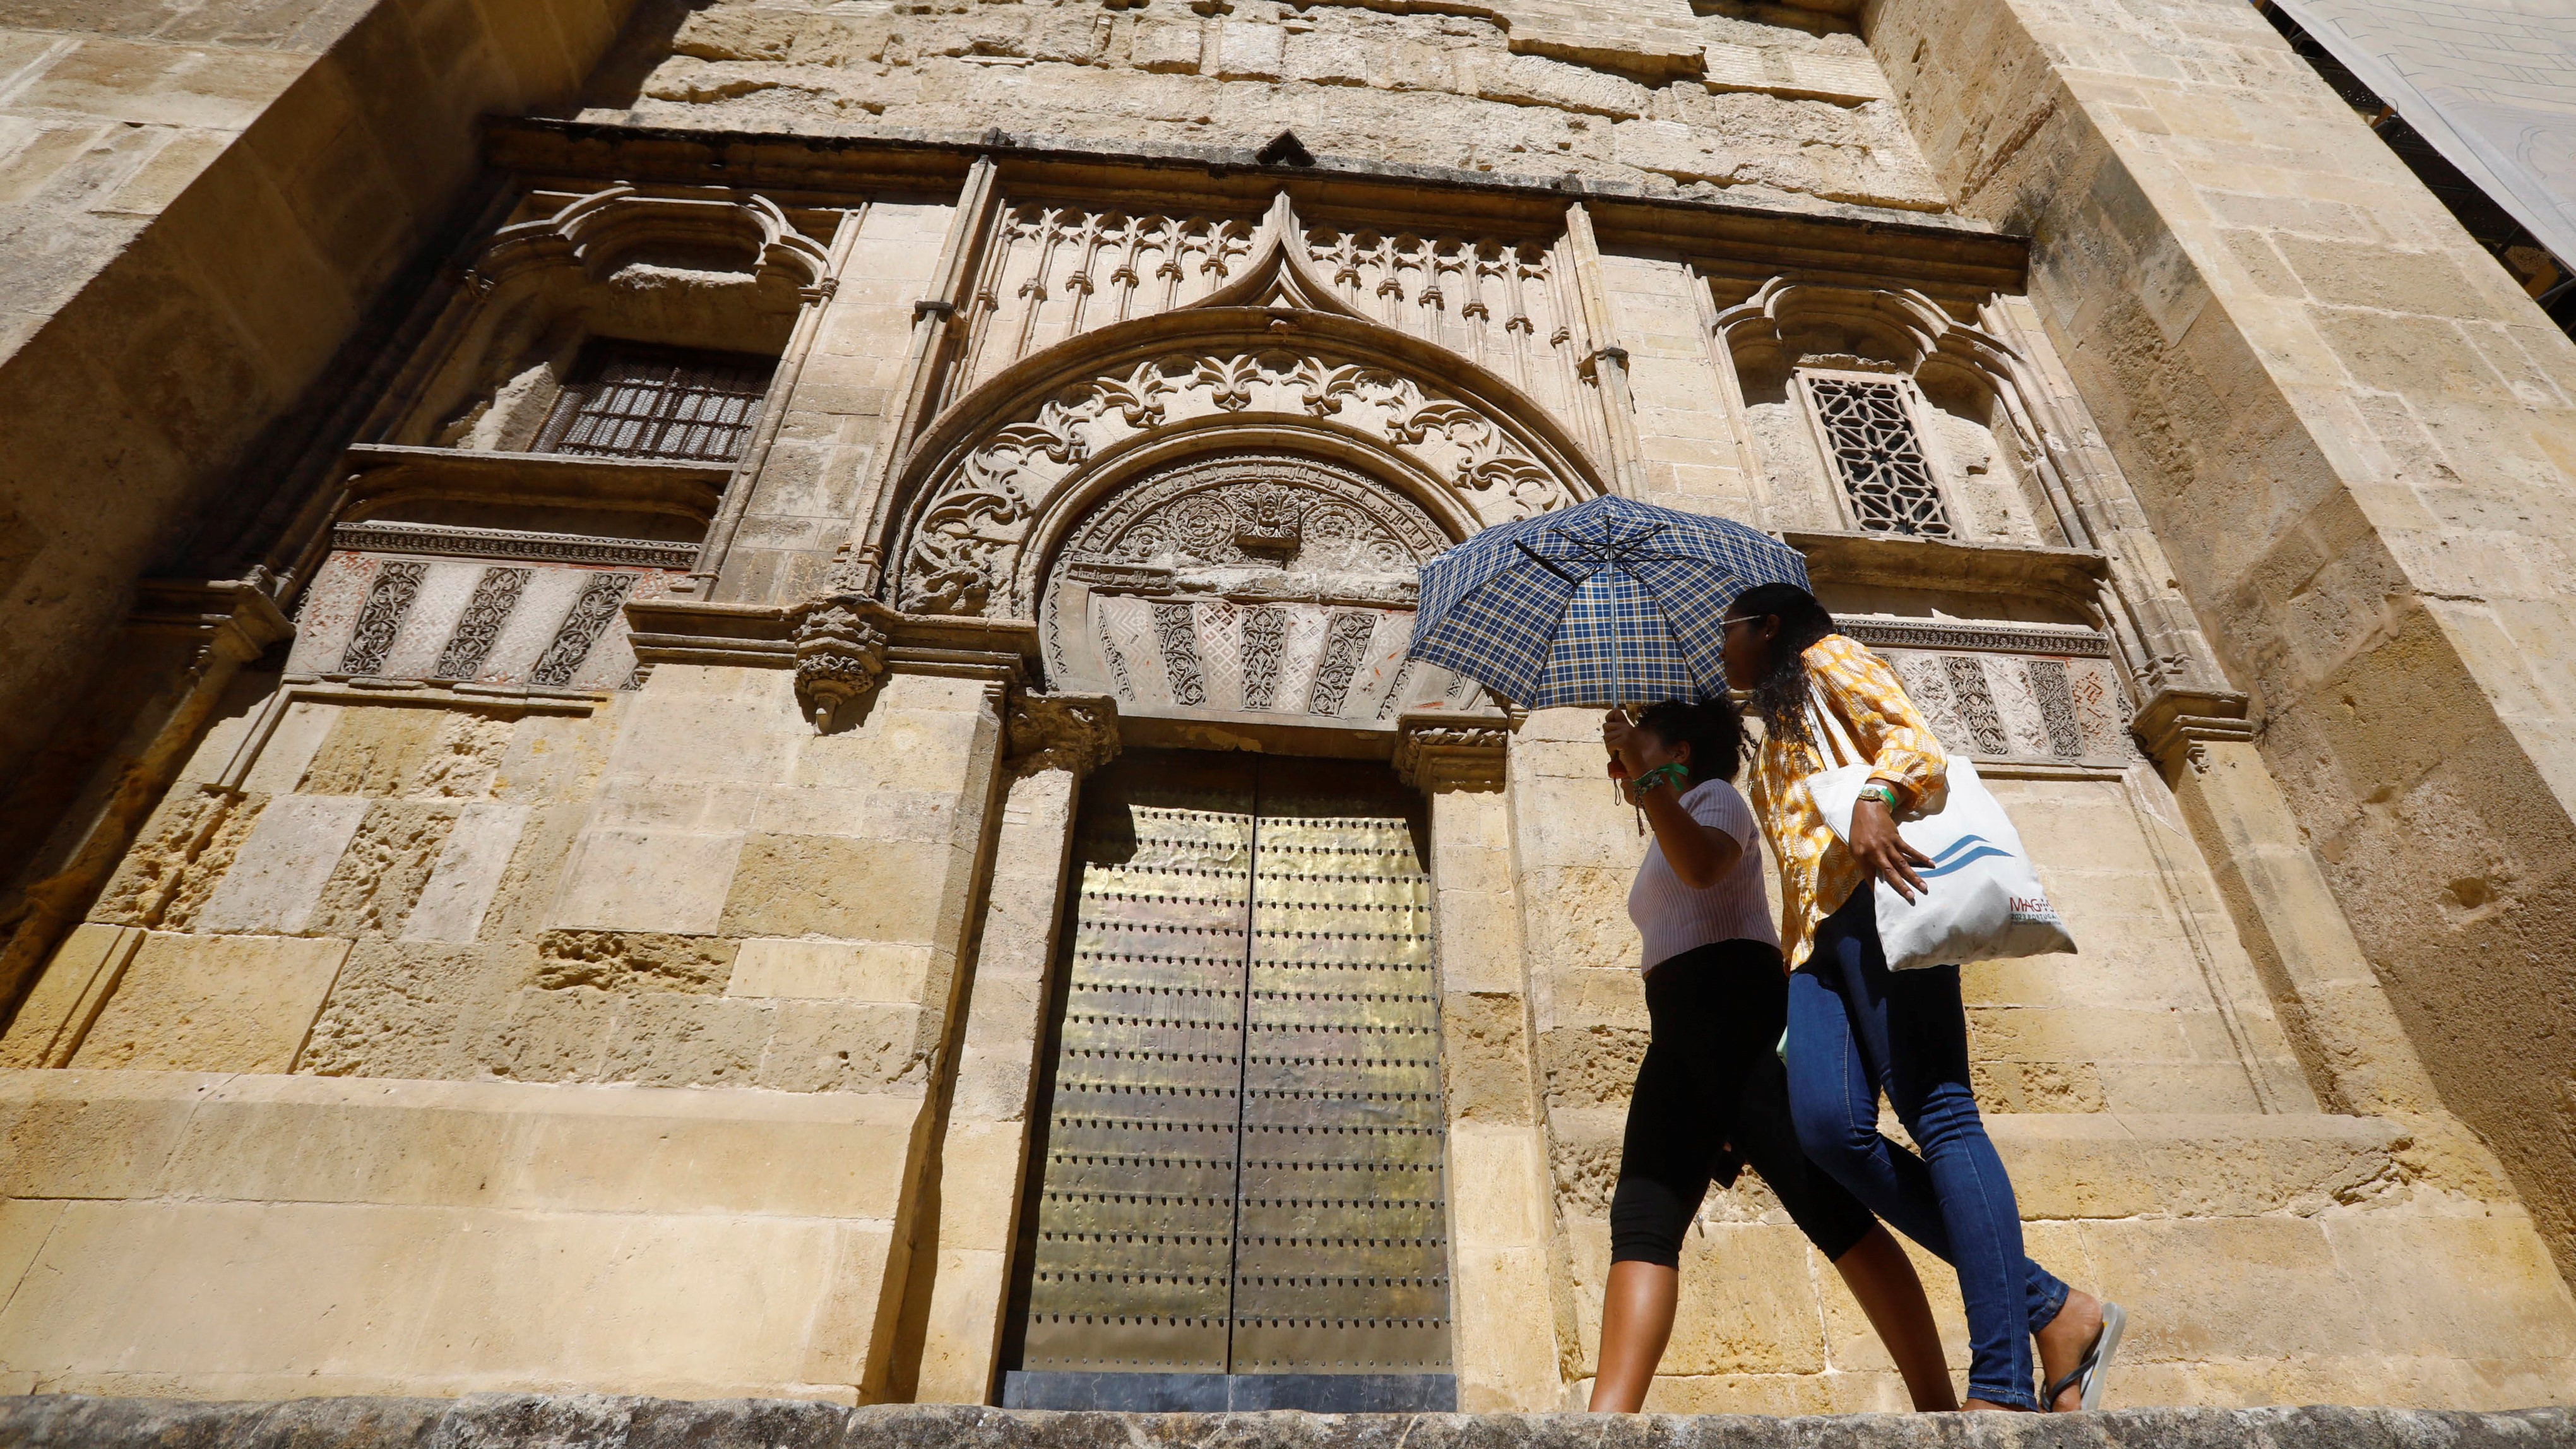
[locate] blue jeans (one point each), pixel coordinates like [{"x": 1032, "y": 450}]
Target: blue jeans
[{"x": 1857, "y": 1029}]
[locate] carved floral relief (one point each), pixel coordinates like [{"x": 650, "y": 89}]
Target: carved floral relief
[{"x": 965, "y": 547}]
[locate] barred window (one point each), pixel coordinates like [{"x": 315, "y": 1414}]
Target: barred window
[
  {"x": 1877, "y": 454},
  {"x": 650, "y": 402}
]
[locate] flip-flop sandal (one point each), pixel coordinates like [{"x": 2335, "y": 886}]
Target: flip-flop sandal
[{"x": 2096, "y": 1365}]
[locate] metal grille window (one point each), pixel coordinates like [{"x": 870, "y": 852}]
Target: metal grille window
[
  {"x": 634, "y": 402},
  {"x": 1877, "y": 453}
]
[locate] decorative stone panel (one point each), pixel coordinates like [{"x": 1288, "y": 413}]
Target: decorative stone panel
[
  {"x": 1257, "y": 583},
  {"x": 498, "y": 615},
  {"x": 2022, "y": 693},
  {"x": 967, "y": 542}
]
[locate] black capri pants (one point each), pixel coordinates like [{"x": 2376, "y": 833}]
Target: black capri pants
[{"x": 1712, "y": 1098}]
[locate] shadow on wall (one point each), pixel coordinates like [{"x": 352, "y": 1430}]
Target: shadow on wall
[{"x": 649, "y": 39}]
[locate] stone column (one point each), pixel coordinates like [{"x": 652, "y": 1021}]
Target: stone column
[
  {"x": 983, "y": 1153},
  {"x": 2357, "y": 1053},
  {"x": 1502, "y": 1320}
]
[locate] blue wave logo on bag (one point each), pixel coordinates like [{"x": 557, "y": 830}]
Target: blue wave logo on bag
[
  {"x": 1981, "y": 901},
  {"x": 1961, "y": 851},
  {"x": 2019, "y": 909}
]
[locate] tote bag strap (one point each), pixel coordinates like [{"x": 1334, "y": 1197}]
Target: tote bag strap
[{"x": 1832, "y": 740}]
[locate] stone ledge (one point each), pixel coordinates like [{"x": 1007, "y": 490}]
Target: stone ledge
[{"x": 506, "y": 1421}]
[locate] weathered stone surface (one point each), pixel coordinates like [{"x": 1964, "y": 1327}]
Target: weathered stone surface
[
  {"x": 676, "y": 1046},
  {"x": 520, "y": 1421},
  {"x": 1537, "y": 90}
]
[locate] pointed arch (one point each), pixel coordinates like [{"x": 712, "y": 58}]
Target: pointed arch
[{"x": 1273, "y": 359}]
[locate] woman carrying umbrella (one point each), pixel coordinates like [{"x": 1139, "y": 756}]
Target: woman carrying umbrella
[
  {"x": 1857, "y": 1029},
  {"x": 1613, "y": 600},
  {"x": 1710, "y": 1096}
]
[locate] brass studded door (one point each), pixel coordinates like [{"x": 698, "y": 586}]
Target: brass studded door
[{"x": 1241, "y": 1172}]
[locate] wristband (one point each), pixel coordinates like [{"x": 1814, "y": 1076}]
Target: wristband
[
  {"x": 1884, "y": 794},
  {"x": 1675, "y": 773}
]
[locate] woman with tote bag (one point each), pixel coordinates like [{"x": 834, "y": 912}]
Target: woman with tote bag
[
  {"x": 1856, "y": 1029},
  {"x": 1710, "y": 1098}
]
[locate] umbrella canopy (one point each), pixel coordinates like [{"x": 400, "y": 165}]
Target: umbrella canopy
[{"x": 1603, "y": 603}]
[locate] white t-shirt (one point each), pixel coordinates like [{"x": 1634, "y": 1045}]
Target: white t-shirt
[{"x": 1674, "y": 918}]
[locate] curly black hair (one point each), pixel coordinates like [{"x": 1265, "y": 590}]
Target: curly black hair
[
  {"x": 1781, "y": 696},
  {"x": 1712, "y": 728}
]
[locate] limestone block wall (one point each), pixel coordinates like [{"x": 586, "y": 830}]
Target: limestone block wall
[
  {"x": 847, "y": 386},
  {"x": 1786, "y": 105},
  {"x": 201, "y": 204},
  {"x": 2352, "y": 434},
  {"x": 411, "y": 1020}
]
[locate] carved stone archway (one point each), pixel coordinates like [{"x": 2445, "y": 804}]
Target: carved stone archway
[
  {"x": 969, "y": 551},
  {"x": 1277, "y": 360}
]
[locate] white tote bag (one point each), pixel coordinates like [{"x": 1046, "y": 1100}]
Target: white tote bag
[{"x": 1981, "y": 900}]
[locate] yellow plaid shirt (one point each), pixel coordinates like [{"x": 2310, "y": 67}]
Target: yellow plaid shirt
[{"x": 1817, "y": 872}]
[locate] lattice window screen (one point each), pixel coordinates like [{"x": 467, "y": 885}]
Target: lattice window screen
[
  {"x": 1876, "y": 453},
  {"x": 633, "y": 402}
]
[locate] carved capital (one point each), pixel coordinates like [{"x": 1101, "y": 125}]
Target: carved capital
[
  {"x": 233, "y": 621},
  {"x": 2176, "y": 722},
  {"x": 1077, "y": 732},
  {"x": 840, "y": 644},
  {"x": 1436, "y": 752}
]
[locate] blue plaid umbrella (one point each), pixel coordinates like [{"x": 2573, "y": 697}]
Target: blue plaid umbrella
[{"x": 1603, "y": 603}]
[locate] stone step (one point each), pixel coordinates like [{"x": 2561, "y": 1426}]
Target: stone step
[
  {"x": 535, "y": 1421},
  {"x": 2069, "y": 1165}
]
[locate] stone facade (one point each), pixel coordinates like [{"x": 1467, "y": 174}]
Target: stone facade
[{"x": 494, "y": 912}]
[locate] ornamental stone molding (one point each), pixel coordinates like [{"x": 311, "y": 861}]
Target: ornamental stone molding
[
  {"x": 1076, "y": 732},
  {"x": 1786, "y": 323},
  {"x": 230, "y": 621},
  {"x": 840, "y": 649},
  {"x": 599, "y": 232},
  {"x": 968, "y": 543},
  {"x": 2175, "y": 724},
  {"x": 1436, "y": 752}
]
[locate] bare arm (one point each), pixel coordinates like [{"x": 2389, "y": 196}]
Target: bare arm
[
  {"x": 1700, "y": 855},
  {"x": 1906, "y": 756}
]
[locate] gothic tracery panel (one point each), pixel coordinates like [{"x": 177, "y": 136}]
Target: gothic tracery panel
[
  {"x": 1057, "y": 271},
  {"x": 1497, "y": 301}
]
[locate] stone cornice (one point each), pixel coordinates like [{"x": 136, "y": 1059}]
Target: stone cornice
[
  {"x": 839, "y": 645},
  {"x": 1928, "y": 248},
  {"x": 383, "y": 475},
  {"x": 458, "y": 542},
  {"x": 2072, "y": 576},
  {"x": 1944, "y": 634}
]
